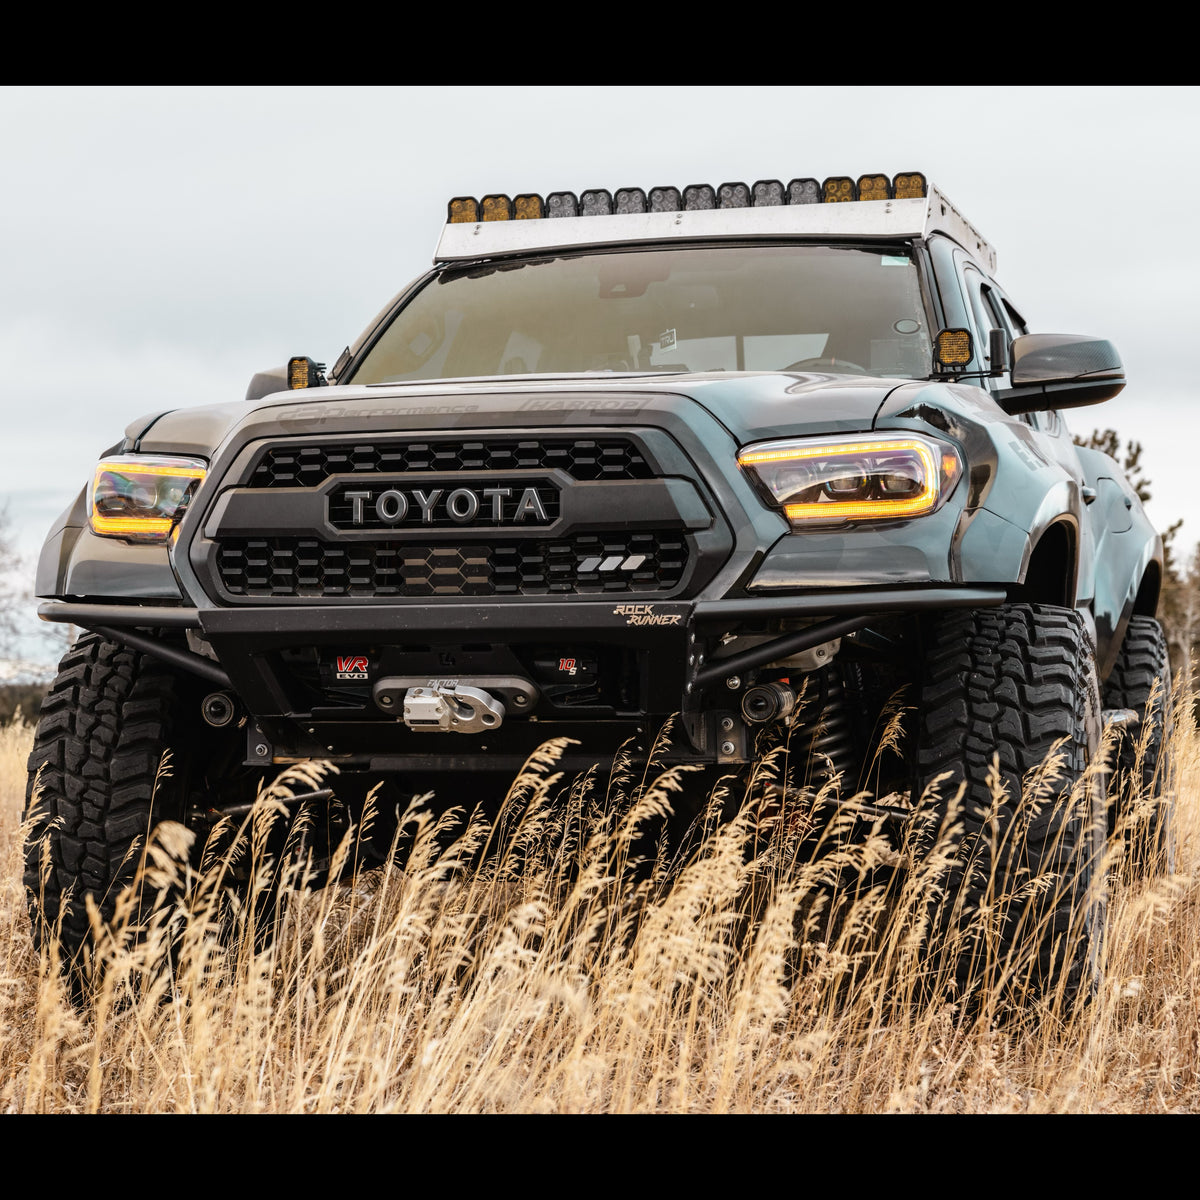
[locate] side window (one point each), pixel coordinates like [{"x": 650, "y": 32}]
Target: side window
[
  {"x": 974, "y": 282},
  {"x": 991, "y": 312},
  {"x": 985, "y": 306},
  {"x": 1047, "y": 419},
  {"x": 1015, "y": 320}
]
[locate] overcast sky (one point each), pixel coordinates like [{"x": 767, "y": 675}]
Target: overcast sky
[{"x": 158, "y": 246}]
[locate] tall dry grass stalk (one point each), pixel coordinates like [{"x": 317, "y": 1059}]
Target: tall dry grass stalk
[{"x": 559, "y": 958}]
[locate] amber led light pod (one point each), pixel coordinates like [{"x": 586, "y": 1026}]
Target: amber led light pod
[
  {"x": 497, "y": 208},
  {"x": 952, "y": 349},
  {"x": 527, "y": 207},
  {"x": 462, "y": 210},
  {"x": 873, "y": 187},
  {"x": 838, "y": 189},
  {"x": 302, "y": 372},
  {"x": 909, "y": 186}
]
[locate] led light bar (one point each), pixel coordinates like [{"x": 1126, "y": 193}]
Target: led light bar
[
  {"x": 696, "y": 197},
  {"x": 664, "y": 213}
]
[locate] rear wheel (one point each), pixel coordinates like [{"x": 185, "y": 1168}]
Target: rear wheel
[
  {"x": 1142, "y": 811},
  {"x": 1010, "y": 714}
]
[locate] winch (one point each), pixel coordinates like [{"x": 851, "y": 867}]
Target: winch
[{"x": 471, "y": 705}]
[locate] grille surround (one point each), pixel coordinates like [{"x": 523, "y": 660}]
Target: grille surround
[{"x": 342, "y": 563}]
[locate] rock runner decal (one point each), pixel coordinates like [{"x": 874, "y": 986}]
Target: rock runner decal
[{"x": 644, "y": 614}]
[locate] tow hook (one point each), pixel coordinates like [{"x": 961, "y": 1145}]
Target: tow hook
[{"x": 457, "y": 709}]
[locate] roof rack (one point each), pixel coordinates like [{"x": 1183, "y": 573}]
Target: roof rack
[{"x": 839, "y": 208}]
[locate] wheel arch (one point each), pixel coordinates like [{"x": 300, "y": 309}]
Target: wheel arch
[
  {"x": 1145, "y": 603},
  {"x": 1052, "y": 570}
]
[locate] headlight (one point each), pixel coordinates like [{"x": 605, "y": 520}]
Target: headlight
[
  {"x": 862, "y": 477},
  {"x": 140, "y": 497}
]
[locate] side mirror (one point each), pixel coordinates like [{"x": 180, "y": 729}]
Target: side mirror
[
  {"x": 266, "y": 382},
  {"x": 1061, "y": 370}
]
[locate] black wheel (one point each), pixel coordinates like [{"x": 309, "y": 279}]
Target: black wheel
[
  {"x": 96, "y": 792},
  {"x": 1020, "y": 903},
  {"x": 1141, "y": 811}
]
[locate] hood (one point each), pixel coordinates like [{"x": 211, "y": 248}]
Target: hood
[{"x": 752, "y": 406}]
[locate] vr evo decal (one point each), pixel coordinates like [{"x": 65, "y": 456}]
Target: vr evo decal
[{"x": 351, "y": 666}]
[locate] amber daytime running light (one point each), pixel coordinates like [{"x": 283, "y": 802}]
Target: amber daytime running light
[
  {"x": 140, "y": 498},
  {"x": 598, "y": 202},
  {"x": 854, "y": 478}
]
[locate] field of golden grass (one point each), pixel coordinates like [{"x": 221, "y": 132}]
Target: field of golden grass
[{"x": 572, "y": 977}]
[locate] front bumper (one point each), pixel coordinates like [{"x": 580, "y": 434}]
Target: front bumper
[{"x": 652, "y": 659}]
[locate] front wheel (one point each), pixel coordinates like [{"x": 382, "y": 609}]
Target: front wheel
[
  {"x": 98, "y": 791},
  {"x": 1009, "y": 716}
]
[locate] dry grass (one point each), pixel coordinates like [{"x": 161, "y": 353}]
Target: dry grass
[{"x": 572, "y": 976}]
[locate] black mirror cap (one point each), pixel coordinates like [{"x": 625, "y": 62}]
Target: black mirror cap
[
  {"x": 1061, "y": 370},
  {"x": 266, "y": 382}
]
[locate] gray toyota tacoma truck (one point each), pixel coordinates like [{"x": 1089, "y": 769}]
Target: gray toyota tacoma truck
[{"x": 765, "y": 457}]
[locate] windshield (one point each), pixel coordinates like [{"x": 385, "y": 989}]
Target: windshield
[{"x": 718, "y": 308}]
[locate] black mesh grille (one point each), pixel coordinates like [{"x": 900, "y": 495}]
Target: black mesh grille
[
  {"x": 604, "y": 563},
  {"x": 581, "y": 458}
]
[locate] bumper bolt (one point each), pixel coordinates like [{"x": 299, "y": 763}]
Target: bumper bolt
[{"x": 727, "y": 747}]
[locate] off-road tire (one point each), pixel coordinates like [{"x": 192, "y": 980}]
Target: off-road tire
[
  {"x": 1142, "y": 791},
  {"x": 1017, "y": 913},
  {"x": 92, "y": 799}
]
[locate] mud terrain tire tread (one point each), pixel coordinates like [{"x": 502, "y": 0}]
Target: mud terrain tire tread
[
  {"x": 91, "y": 787},
  {"x": 1010, "y": 682},
  {"x": 1143, "y": 661}
]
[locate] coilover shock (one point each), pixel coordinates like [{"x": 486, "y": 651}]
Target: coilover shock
[{"x": 821, "y": 730}]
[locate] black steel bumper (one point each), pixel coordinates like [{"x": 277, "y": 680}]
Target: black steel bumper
[{"x": 665, "y": 640}]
